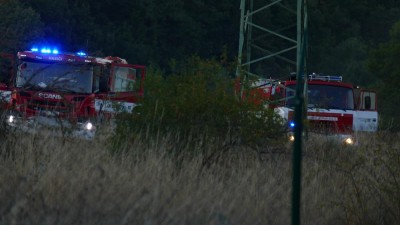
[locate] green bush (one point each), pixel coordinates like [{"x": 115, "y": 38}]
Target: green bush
[{"x": 198, "y": 100}]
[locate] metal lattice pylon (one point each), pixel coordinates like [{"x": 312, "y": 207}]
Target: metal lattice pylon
[{"x": 268, "y": 38}]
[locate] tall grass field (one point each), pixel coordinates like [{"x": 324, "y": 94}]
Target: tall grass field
[{"x": 48, "y": 180}]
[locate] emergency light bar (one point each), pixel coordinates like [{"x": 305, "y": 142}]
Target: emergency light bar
[
  {"x": 53, "y": 51},
  {"x": 325, "y": 78},
  {"x": 45, "y": 50},
  {"x": 81, "y": 53}
]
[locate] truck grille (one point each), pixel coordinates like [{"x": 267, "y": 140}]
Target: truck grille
[
  {"x": 327, "y": 127},
  {"x": 52, "y": 106},
  {"x": 323, "y": 127}
]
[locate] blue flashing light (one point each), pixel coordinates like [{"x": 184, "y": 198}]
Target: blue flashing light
[
  {"x": 81, "y": 53},
  {"x": 45, "y": 50},
  {"x": 292, "y": 124},
  {"x": 325, "y": 77},
  {"x": 335, "y": 78}
]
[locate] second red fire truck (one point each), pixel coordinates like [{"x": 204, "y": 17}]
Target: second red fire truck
[{"x": 333, "y": 108}]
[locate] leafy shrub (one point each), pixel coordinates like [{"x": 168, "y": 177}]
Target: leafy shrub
[{"x": 198, "y": 100}]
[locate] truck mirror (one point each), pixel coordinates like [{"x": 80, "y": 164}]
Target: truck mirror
[{"x": 367, "y": 102}]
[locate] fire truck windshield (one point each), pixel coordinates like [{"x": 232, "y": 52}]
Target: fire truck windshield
[
  {"x": 74, "y": 78},
  {"x": 324, "y": 96}
]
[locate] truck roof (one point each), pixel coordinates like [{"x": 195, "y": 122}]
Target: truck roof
[
  {"x": 320, "y": 82},
  {"x": 80, "y": 57}
]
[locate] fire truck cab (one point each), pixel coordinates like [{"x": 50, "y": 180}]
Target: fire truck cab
[
  {"x": 334, "y": 108},
  {"x": 52, "y": 88}
]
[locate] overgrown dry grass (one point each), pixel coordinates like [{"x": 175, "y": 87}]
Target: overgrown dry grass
[{"x": 45, "y": 180}]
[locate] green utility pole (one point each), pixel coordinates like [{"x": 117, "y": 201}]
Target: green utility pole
[{"x": 298, "y": 116}]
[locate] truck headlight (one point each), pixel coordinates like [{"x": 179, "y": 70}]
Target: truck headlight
[
  {"x": 349, "y": 141},
  {"x": 11, "y": 119},
  {"x": 88, "y": 126},
  {"x": 291, "y": 138}
]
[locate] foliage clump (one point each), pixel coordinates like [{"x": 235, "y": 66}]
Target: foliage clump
[
  {"x": 384, "y": 63},
  {"x": 199, "y": 99}
]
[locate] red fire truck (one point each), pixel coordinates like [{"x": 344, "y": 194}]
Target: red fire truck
[
  {"x": 334, "y": 108},
  {"x": 72, "y": 90}
]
